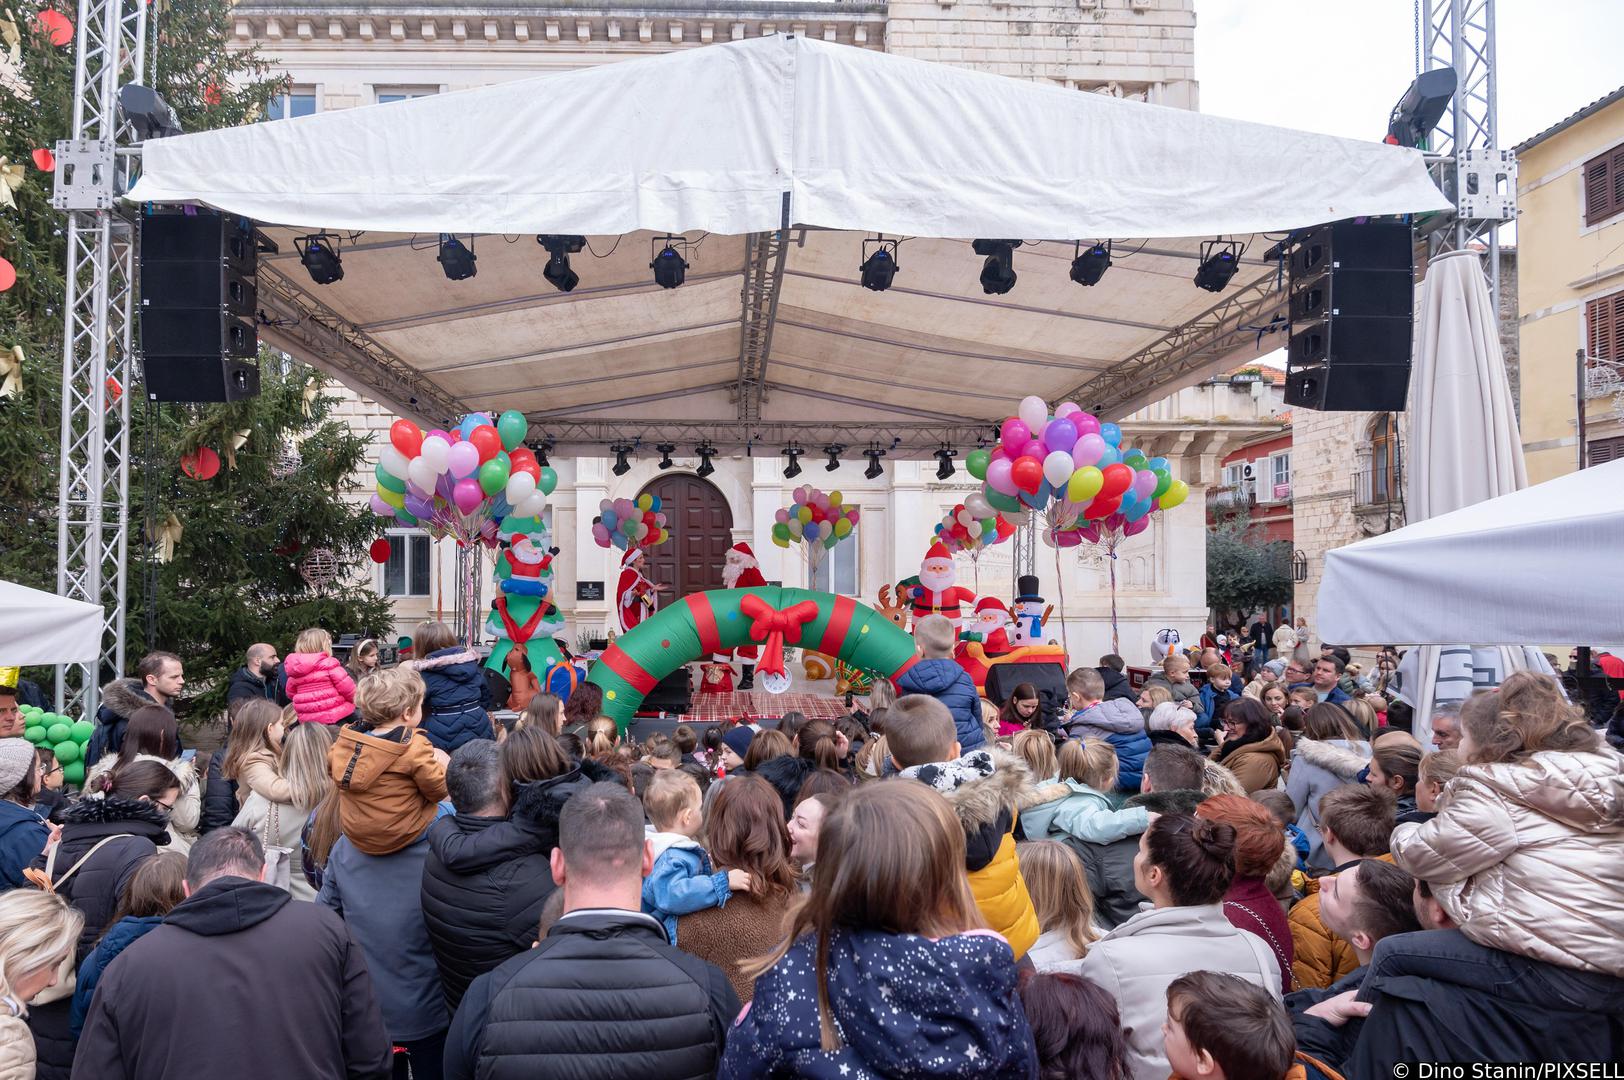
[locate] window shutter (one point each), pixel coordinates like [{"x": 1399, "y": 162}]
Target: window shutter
[
  {"x": 1604, "y": 185},
  {"x": 1615, "y": 172},
  {"x": 1604, "y": 450},
  {"x": 1604, "y": 326}
]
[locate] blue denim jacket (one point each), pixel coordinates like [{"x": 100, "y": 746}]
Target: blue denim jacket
[{"x": 681, "y": 882}]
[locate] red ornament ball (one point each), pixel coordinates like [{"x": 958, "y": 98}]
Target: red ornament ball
[
  {"x": 201, "y": 464},
  {"x": 56, "y": 27},
  {"x": 380, "y": 550},
  {"x": 44, "y": 160}
]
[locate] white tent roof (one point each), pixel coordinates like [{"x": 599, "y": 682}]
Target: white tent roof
[
  {"x": 42, "y": 628},
  {"x": 728, "y": 142},
  {"x": 1541, "y": 565}
]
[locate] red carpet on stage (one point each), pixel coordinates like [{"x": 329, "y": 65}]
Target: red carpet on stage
[{"x": 708, "y": 708}]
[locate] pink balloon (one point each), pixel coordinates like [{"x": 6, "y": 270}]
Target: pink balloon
[
  {"x": 467, "y": 494},
  {"x": 1066, "y": 410},
  {"x": 1087, "y": 423},
  {"x": 1015, "y": 434},
  {"x": 1088, "y": 450},
  {"x": 782, "y": 516},
  {"x": 1090, "y": 533},
  {"x": 381, "y": 508},
  {"x": 463, "y": 460},
  {"x": 1068, "y": 539},
  {"x": 999, "y": 478},
  {"x": 1134, "y": 528},
  {"x": 1115, "y": 521}
]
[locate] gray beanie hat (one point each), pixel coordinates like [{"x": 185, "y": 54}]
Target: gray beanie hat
[{"x": 16, "y": 756}]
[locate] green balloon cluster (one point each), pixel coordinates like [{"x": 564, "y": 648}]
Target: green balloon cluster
[{"x": 63, "y": 736}]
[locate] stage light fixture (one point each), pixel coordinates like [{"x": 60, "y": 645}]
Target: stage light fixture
[
  {"x": 874, "y": 454},
  {"x": 622, "y": 466},
  {"x": 319, "y": 254},
  {"x": 998, "y": 272},
  {"x": 879, "y": 266},
  {"x": 793, "y": 469},
  {"x": 1089, "y": 266},
  {"x": 670, "y": 268},
  {"x": 559, "y": 250},
  {"x": 705, "y": 451},
  {"x": 833, "y": 453},
  {"x": 456, "y": 258},
  {"x": 1219, "y": 261},
  {"x": 145, "y": 110},
  {"x": 944, "y": 463},
  {"x": 1421, "y": 107},
  {"x": 541, "y": 455},
  {"x": 666, "y": 450}
]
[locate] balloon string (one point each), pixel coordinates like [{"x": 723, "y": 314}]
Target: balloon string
[
  {"x": 1060, "y": 583},
  {"x": 1116, "y": 641}
]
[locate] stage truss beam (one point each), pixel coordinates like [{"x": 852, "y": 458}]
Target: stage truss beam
[{"x": 765, "y": 254}]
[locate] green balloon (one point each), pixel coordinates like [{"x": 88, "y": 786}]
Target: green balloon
[
  {"x": 1136, "y": 458},
  {"x": 831, "y": 540},
  {"x": 781, "y": 531},
  {"x": 512, "y": 427},
  {"x": 976, "y": 462},
  {"x": 389, "y": 481},
  {"x": 68, "y": 752},
  {"x": 35, "y": 720},
  {"x": 493, "y": 476},
  {"x": 34, "y": 734},
  {"x": 1007, "y": 503},
  {"x": 58, "y": 732},
  {"x": 404, "y": 518},
  {"x": 82, "y": 731},
  {"x": 1164, "y": 480},
  {"x": 549, "y": 480},
  {"x": 74, "y": 773}
]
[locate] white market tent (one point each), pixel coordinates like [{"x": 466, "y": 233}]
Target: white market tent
[
  {"x": 1541, "y": 565},
  {"x": 723, "y": 145},
  {"x": 42, "y": 628}
]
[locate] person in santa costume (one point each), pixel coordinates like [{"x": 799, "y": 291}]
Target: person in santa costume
[
  {"x": 742, "y": 572},
  {"x": 991, "y": 626},
  {"x": 936, "y": 594},
  {"x": 635, "y": 595}
]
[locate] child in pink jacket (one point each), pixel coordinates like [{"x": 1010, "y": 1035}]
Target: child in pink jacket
[{"x": 320, "y": 688}]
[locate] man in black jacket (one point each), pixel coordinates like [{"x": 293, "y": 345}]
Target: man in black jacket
[
  {"x": 241, "y": 980},
  {"x": 603, "y": 995},
  {"x": 159, "y": 679},
  {"x": 488, "y": 871},
  {"x": 256, "y": 678}
]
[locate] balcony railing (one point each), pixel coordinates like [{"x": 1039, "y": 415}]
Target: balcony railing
[
  {"x": 1232, "y": 496},
  {"x": 1376, "y": 486}
]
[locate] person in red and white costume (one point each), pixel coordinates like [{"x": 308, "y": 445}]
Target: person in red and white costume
[
  {"x": 936, "y": 593},
  {"x": 991, "y": 626},
  {"x": 635, "y": 595},
  {"x": 742, "y": 572}
]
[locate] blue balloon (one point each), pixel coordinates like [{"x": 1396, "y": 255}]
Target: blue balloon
[
  {"x": 1112, "y": 434},
  {"x": 810, "y": 530},
  {"x": 1111, "y": 457},
  {"x": 610, "y": 521},
  {"x": 655, "y": 509},
  {"x": 1156, "y": 463}
]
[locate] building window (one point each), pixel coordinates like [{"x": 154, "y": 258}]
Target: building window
[
  {"x": 406, "y": 573},
  {"x": 837, "y": 573},
  {"x": 1280, "y": 477},
  {"x": 385, "y": 94},
  {"x": 1604, "y": 186},
  {"x": 1604, "y": 328},
  {"x": 300, "y": 101},
  {"x": 1601, "y": 451},
  {"x": 1234, "y": 474},
  {"x": 1384, "y": 459}
]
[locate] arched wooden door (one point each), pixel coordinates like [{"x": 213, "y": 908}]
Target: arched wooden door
[{"x": 701, "y": 527}]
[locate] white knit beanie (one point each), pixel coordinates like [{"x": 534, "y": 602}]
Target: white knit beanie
[{"x": 16, "y": 756}]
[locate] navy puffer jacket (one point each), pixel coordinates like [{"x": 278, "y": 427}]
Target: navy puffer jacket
[
  {"x": 454, "y": 708},
  {"x": 950, "y": 684}
]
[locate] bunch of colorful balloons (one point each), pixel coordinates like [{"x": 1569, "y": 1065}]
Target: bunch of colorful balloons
[
  {"x": 972, "y": 527},
  {"x": 818, "y": 520},
  {"x": 460, "y": 482},
  {"x": 64, "y": 737},
  {"x": 624, "y": 523},
  {"x": 1075, "y": 471}
]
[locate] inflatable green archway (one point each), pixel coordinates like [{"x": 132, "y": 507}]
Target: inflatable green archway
[{"x": 704, "y": 623}]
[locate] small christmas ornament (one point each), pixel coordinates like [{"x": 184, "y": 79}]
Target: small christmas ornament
[
  {"x": 115, "y": 390},
  {"x": 211, "y": 94},
  {"x": 288, "y": 548},
  {"x": 201, "y": 464},
  {"x": 287, "y": 461},
  {"x": 167, "y": 536},
  {"x": 44, "y": 160},
  {"x": 380, "y": 550},
  {"x": 319, "y": 568},
  {"x": 54, "y": 26}
]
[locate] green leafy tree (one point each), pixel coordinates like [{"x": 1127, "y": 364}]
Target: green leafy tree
[
  {"x": 1246, "y": 572},
  {"x": 234, "y": 578}
]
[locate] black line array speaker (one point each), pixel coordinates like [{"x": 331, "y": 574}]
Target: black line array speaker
[
  {"x": 1352, "y": 306},
  {"x": 199, "y": 341}
]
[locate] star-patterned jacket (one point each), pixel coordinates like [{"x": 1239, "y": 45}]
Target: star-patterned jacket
[{"x": 903, "y": 1006}]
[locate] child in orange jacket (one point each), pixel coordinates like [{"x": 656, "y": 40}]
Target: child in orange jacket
[{"x": 390, "y": 778}]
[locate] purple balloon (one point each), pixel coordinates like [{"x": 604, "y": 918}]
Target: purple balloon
[
  {"x": 1068, "y": 539},
  {"x": 1144, "y": 482},
  {"x": 467, "y": 494},
  {"x": 1086, "y": 423},
  {"x": 381, "y": 508},
  {"x": 998, "y": 476},
  {"x": 1061, "y": 434},
  {"x": 463, "y": 460},
  {"x": 419, "y": 507},
  {"x": 1088, "y": 450},
  {"x": 1134, "y": 528}
]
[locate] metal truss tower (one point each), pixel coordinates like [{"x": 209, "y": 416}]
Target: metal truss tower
[{"x": 93, "y": 495}]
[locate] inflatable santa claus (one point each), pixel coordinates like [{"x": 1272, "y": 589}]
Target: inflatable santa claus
[
  {"x": 991, "y": 626},
  {"x": 635, "y": 595},
  {"x": 742, "y": 572},
  {"x": 936, "y": 593}
]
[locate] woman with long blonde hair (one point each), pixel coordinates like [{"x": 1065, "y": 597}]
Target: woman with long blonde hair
[
  {"x": 1056, "y": 879},
  {"x": 280, "y": 823},
  {"x": 889, "y": 940},
  {"x": 37, "y": 934}
]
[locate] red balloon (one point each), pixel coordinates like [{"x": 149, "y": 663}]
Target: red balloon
[
  {"x": 201, "y": 464},
  {"x": 519, "y": 455},
  {"x": 1118, "y": 478},
  {"x": 1102, "y": 507},
  {"x": 8, "y": 275},
  {"x": 406, "y": 437},
  {"x": 380, "y": 550},
  {"x": 1027, "y": 472},
  {"x": 489, "y": 443},
  {"x": 44, "y": 160},
  {"x": 1004, "y": 528},
  {"x": 56, "y": 27}
]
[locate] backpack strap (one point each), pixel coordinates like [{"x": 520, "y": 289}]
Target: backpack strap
[{"x": 50, "y": 861}]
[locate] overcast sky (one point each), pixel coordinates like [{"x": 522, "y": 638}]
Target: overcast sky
[{"x": 1338, "y": 66}]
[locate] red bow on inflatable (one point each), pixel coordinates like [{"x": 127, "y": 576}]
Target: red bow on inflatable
[{"x": 771, "y": 626}]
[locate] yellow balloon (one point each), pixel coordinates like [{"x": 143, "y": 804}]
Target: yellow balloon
[
  {"x": 804, "y": 513},
  {"x": 645, "y": 502},
  {"x": 1176, "y": 493},
  {"x": 843, "y": 527},
  {"x": 835, "y": 498},
  {"x": 397, "y": 499},
  {"x": 1084, "y": 484},
  {"x": 780, "y": 541}
]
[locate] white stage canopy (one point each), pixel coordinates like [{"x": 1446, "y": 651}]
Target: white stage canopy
[
  {"x": 41, "y": 628},
  {"x": 1539, "y": 566},
  {"x": 724, "y": 144}
]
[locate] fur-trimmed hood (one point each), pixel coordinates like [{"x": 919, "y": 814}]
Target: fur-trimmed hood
[
  {"x": 124, "y": 697},
  {"x": 981, "y": 785},
  {"x": 444, "y": 659},
  {"x": 1177, "y": 801},
  {"x": 1336, "y": 756},
  {"x": 99, "y": 809}
]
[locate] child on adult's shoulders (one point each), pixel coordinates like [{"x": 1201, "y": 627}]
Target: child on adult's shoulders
[
  {"x": 938, "y": 675},
  {"x": 1116, "y": 721},
  {"x": 682, "y": 880}
]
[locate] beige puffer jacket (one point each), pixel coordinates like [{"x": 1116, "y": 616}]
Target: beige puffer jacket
[{"x": 1529, "y": 857}]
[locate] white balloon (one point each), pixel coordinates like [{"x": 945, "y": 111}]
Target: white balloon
[
  {"x": 1034, "y": 413},
  {"x": 965, "y": 517},
  {"x": 1057, "y": 468},
  {"x": 532, "y": 506},
  {"x": 978, "y": 505},
  {"x": 437, "y": 452},
  {"x": 973, "y": 528},
  {"x": 422, "y": 474},
  {"x": 520, "y": 486},
  {"x": 394, "y": 463}
]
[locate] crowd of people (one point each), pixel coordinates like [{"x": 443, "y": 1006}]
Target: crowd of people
[{"x": 1256, "y": 874}]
